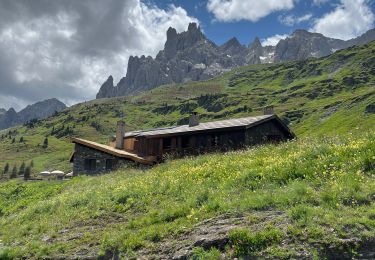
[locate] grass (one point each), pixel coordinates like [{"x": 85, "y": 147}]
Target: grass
[
  {"x": 326, "y": 96},
  {"x": 324, "y": 185}
]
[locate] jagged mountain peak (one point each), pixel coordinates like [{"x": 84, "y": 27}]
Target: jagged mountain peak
[
  {"x": 255, "y": 44},
  {"x": 39, "y": 110},
  {"x": 181, "y": 41},
  {"x": 11, "y": 111},
  {"x": 110, "y": 79},
  {"x": 233, "y": 42},
  {"x": 193, "y": 27},
  {"x": 302, "y": 33},
  {"x": 190, "y": 56},
  {"x": 107, "y": 87},
  {"x": 51, "y": 101}
]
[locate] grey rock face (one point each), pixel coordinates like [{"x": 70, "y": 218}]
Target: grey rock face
[
  {"x": 187, "y": 56},
  {"x": 303, "y": 44},
  {"x": 8, "y": 118},
  {"x": 39, "y": 110},
  {"x": 106, "y": 89},
  {"x": 190, "y": 56},
  {"x": 365, "y": 38}
]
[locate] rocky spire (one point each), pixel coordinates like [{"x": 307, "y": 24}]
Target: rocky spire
[
  {"x": 170, "y": 47},
  {"x": 107, "y": 88},
  {"x": 255, "y": 44},
  {"x": 232, "y": 43},
  {"x": 256, "y": 47}
]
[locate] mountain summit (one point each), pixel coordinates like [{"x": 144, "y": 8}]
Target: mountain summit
[
  {"x": 190, "y": 56},
  {"x": 39, "y": 110},
  {"x": 187, "y": 56}
]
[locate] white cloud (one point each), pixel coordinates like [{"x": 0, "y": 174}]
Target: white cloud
[
  {"x": 348, "y": 20},
  {"x": 67, "y": 49},
  {"x": 273, "y": 40},
  {"x": 236, "y": 10},
  {"x": 291, "y": 20}
]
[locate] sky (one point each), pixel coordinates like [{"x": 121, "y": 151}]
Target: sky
[{"x": 67, "y": 48}]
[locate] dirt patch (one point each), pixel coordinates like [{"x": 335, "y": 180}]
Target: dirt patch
[{"x": 210, "y": 233}]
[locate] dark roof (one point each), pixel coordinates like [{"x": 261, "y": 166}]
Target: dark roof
[
  {"x": 216, "y": 125},
  {"x": 113, "y": 151}
]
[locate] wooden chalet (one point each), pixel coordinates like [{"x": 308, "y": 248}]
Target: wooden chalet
[{"x": 150, "y": 146}]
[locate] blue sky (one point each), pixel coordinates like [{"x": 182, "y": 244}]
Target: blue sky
[{"x": 245, "y": 31}]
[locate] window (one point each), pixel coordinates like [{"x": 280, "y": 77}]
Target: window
[
  {"x": 90, "y": 164},
  {"x": 167, "y": 143},
  {"x": 109, "y": 163},
  {"x": 185, "y": 142}
]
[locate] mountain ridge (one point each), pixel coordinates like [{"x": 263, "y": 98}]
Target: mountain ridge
[
  {"x": 38, "y": 110},
  {"x": 191, "y": 56}
]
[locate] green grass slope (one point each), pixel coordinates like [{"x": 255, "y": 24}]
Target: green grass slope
[
  {"x": 311, "y": 197},
  {"x": 327, "y": 96}
]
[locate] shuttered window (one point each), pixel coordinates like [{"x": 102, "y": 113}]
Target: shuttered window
[{"x": 90, "y": 164}]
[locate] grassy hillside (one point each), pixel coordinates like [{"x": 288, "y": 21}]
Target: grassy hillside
[
  {"x": 327, "y": 96},
  {"x": 306, "y": 198}
]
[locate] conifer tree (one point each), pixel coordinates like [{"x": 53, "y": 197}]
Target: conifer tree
[
  {"x": 45, "y": 142},
  {"x": 27, "y": 173},
  {"x": 22, "y": 169},
  {"x": 14, "y": 172},
  {"x": 6, "y": 168}
]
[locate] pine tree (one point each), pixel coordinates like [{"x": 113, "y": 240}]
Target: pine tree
[
  {"x": 13, "y": 140},
  {"x": 14, "y": 172},
  {"x": 6, "y": 168},
  {"x": 22, "y": 169},
  {"x": 32, "y": 164},
  {"x": 45, "y": 143},
  {"x": 21, "y": 139},
  {"x": 27, "y": 173}
]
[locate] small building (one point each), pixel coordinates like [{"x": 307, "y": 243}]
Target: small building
[{"x": 150, "y": 146}]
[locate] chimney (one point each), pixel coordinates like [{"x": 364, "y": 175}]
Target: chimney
[
  {"x": 268, "y": 110},
  {"x": 120, "y": 133},
  {"x": 193, "y": 119}
]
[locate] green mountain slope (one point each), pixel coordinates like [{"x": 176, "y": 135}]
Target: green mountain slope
[
  {"x": 312, "y": 197},
  {"x": 331, "y": 95}
]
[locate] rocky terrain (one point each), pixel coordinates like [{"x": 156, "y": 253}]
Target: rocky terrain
[
  {"x": 190, "y": 56},
  {"x": 39, "y": 110},
  {"x": 187, "y": 56}
]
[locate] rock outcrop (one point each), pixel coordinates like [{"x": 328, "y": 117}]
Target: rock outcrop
[
  {"x": 39, "y": 110},
  {"x": 190, "y": 56},
  {"x": 187, "y": 56},
  {"x": 303, "y": 44},
  {"x": 107, "y": 89}
]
